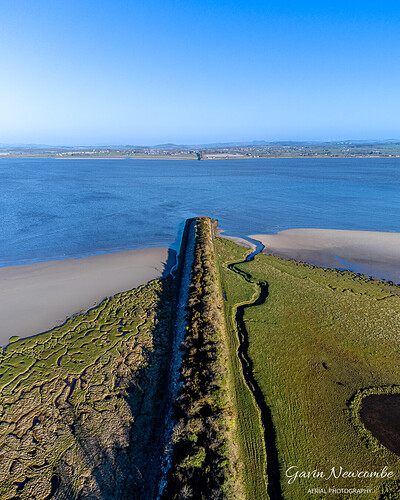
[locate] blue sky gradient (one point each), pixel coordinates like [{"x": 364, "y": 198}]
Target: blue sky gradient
[{"x": 134, "y": 72}]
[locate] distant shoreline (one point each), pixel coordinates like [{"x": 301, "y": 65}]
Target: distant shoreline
[{"x": 314, "y": 157}]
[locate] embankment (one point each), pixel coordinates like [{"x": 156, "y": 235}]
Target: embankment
[
  {"x": 183, "y": 279},
  {"x": 203, "y": 461}
]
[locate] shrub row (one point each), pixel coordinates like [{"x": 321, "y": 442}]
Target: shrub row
[{"x": 200, "y": 465}]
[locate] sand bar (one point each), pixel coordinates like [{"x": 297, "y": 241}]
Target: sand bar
[
  {"x": 372, "y": 253},
  {"x": 36, "y": 297}
]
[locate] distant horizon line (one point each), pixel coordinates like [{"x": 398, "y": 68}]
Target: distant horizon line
[{"x": 201, "y": 145}]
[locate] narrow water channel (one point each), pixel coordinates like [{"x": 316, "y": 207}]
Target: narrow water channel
[{"x": 272, "y": 467}]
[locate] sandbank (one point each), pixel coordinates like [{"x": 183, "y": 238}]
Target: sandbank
[
  {"x": 36, "y": 297},
  {"x": 372, "y": 253}
]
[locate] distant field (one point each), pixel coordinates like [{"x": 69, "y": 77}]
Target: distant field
[
  {"x": 80, "y": 405},
  {"x": 342, "y": 149},
  {"x": 320, "y": 337}
]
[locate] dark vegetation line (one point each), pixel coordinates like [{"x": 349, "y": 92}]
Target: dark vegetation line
[
  {"x": 201, "y": 467},
  {"x": 272, "y": 468}
]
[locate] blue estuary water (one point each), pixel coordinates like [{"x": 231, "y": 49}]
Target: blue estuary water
[{"x": 54, "y": 209}]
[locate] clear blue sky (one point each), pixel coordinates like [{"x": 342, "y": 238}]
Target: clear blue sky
[{"x": 195, "y": 71}]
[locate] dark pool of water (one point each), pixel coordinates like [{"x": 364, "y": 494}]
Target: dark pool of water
[{"x": 381, "y": 416}]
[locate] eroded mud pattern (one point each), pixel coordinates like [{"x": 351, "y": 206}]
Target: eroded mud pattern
[{"x": 75, "y": 402}]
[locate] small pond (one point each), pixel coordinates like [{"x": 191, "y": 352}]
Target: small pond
[{"x": 381, "y": 416}]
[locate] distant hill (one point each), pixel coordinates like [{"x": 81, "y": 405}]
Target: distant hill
[{"x": 170, "y": 145}]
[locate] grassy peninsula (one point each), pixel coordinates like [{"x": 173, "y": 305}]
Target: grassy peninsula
[
  {"x": 278, "y": 359},
  {"x": 318, "y": 342}
]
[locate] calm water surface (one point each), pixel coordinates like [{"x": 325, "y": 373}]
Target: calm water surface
[{"x": 52, "y": 209}]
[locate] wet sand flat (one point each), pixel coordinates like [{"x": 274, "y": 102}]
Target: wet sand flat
[
  {"x": 36, "y": 297},
  {"x": 372, "y": 253}
]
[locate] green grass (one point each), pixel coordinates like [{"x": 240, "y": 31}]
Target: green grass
[
  {"x": 320, "y": 337},
  {"x": 248, "y": 430},
  {"x": 83, "y": 401}
]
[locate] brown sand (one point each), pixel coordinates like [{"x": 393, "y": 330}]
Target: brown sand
[
  {"x": 372, "y": 253},
  {"x": 36, "y": 297}
]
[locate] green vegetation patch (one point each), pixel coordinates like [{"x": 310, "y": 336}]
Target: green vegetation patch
[{"x": 248, "y": 431}]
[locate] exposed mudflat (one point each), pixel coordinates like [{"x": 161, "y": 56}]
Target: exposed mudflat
[
  {"x": 37, "y": 297},
  {"x": 372, "y": 253},
  {"x": 381, "y": 415}
]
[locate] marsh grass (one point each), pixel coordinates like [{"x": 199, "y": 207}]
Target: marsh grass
[
  {"x": 248, "y": 432},
  {"x": 80, "y": 404}
]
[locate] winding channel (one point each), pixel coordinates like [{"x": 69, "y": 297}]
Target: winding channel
[{"x": 272, "y": 467}]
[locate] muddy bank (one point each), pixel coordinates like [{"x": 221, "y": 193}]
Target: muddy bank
[{"x": 82, "y": 405}]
